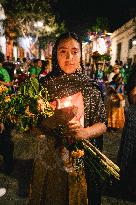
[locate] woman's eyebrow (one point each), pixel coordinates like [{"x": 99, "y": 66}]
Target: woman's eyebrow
[{"x": 64, "y": 47}]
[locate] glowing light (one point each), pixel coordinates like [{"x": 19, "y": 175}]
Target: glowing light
[
  {"x": 25, "y": 42},
  {"x": 99, "y": 45},
  {"x": 67, "y": 102},
  {"x": 48, "y": 28},
  {"x": 109, "y": 34},
  {"x": 38, "y": 24},
  {"x": 134, "y": 42},
  {"x": 2, "y": 13}
]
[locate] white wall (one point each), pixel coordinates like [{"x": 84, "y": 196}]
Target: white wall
[
  {"x": 2, "y": 35},
  {"x": 123, "y": 35}
]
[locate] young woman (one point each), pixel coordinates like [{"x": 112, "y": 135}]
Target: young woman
[{"x": 54, "y": 181}]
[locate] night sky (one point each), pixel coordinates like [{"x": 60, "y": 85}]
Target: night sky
[{"x": 78, "y": 14}]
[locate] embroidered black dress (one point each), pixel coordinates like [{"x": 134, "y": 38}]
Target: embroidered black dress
[
  {"x": 51, "y": 184},
  {"x": 127, "y": 149}
]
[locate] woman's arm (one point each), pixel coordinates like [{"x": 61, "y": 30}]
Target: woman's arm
[
  {"x": 97, "y": 122},
  {"x": 79, "y": 132}
]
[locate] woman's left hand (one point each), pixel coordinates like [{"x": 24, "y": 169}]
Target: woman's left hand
[{"x": 77, "y": 130}]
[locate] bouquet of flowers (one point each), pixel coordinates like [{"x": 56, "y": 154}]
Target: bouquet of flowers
[
  {"x": 85, "y": 152},
  {"x": 21, "y": 108}
]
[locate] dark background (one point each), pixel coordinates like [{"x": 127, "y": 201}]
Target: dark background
[{"x": 80, "y": 14}]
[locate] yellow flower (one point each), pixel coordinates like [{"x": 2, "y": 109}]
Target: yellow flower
[
  {"x": 3, "y": 88},
  {"x": 77, "y": 154},
  {"x": 12, "y": 118},
  {"x": 27, "y": 111},
  {"x": 41, "y": 105},
  {"x": 7, "y": 98}
]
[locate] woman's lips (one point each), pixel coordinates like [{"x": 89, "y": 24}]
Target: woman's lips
[{"x": 69, "y": 64}]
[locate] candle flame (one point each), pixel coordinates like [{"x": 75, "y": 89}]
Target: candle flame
[{"x": 67, "y": 102}]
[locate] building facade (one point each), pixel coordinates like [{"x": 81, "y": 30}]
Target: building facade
[
  {"x": 2, "y": 31},
  {"x": 123, "y": 43}
]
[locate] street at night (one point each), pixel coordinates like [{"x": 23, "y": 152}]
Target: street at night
[
  {"x": 17, "y": 183},
  {"x": 67, "y": 102}
]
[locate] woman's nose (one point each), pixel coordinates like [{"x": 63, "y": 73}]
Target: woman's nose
[{"x": 69, "y": 55}]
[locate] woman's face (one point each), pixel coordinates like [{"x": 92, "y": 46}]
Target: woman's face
[
  {"x": 39, "y": 63},
  {"x": 116, "y": 71},
  {"x": 68, "y": 55}
]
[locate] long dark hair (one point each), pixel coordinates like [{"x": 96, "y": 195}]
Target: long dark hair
[{"x": 56, "y": 70}]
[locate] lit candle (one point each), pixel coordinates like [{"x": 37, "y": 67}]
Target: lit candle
[
  {"x": 65, "y": 102},
  {"x": 68, "y": 102}
]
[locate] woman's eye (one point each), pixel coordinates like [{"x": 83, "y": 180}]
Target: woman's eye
[
  {"x": 62, "y": 51},
  {"x": 75, "y": 52}
]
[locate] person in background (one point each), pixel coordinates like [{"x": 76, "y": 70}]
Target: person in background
[
  {"x": 44, "y": 70},
  {"x": 6, "y": 144},
  {"x": 101, "y": 77},
  {"x": 126, "y": 157},
  {"x": 10, "y": 67},
  {"x": 115, "y": 103},
  {"x": 116, "y": 70},
  {"x": 25, "y": 65},
  {"x": 117, "y": 62},
  {"x": 5, "y": 77},
  {"x": 36, "y": 68},
  {"x": 53, "y": 172}
]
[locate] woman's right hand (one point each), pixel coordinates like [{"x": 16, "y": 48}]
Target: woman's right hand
[{"x": 60, "y": 117}]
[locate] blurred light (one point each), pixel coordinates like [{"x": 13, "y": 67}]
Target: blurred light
[
  {"x": 48, "y": 28},
  {"x": 99, "y": 45},
  {"x": 30, "y": 38},
  {"x": 109, "y": 34},
  {"x": 134, "y": 42},
  {"x": 2, "y": 13},
  {"x": 84, "y": 43},
  {"x": 38, "y": 24}
]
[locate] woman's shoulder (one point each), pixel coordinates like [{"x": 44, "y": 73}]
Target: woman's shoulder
[
  {"x": 95, "y": 88},
  {"x": 94, "y": 85}
]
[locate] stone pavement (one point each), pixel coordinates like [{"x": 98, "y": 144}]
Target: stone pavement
[{"x": 17, "y": 184}]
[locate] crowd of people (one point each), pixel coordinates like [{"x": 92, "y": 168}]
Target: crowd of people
[
  {"x": 102, "y": 106},
  {"x": 113, "y": 81}
]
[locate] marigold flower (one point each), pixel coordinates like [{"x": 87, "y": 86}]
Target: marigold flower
[
  {"x": 3, "y": 88},
  {"x": 7, "y": 98},
  {"x": 27, "y": 111},
  {"x": 77, "y": 154}
]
